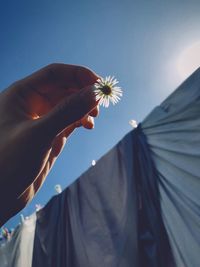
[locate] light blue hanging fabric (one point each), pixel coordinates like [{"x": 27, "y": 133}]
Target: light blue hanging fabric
[
  {"x": 18, "y": 251},
  {"x": 173, "y": 133}
]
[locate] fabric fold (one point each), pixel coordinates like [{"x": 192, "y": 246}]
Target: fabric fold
[
  {"x": 94, "y": 221},
  {"x": 172, "y": 130}
]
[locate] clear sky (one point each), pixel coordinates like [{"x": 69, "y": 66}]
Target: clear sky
[{"x": 140, "y": 42}]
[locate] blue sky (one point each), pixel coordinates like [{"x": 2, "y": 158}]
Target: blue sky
[{"x": 137, "y": 41}]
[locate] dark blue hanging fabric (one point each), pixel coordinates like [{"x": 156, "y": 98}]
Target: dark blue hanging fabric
[
  {"x": 109, "y": 217},
  {"x": 93, "y": 223},
  {"x": 154, "y": 248}
]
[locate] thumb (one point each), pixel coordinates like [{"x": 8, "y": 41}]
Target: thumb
[{"x": 68, "y": 111}]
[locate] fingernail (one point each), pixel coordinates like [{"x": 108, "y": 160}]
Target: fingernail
[{"x": 90, "y": 120}]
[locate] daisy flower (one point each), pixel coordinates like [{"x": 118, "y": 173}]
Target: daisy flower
[{"x": 106, "y": 91}]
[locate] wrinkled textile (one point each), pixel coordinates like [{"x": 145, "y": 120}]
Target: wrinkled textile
[
  {"x": 153, "y": 244},
  {"x": 93, "y": 223},
  {"x": 173, "y": 132},
  {"x": 18, "y": 251}
]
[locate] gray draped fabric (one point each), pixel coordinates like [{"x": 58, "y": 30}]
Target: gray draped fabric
[{"x": 18, "y": 251}]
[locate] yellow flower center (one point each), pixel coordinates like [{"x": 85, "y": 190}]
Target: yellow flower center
[{"x": 106, "y": 89}]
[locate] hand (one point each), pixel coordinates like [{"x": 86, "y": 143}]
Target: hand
[{"x": 37, "y": 115}]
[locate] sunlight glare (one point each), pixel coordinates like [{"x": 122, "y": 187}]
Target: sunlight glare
[{"x": 189, "y": 60}]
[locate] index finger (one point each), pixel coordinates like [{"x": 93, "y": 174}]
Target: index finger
[{"x": 59, "y": 76}]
